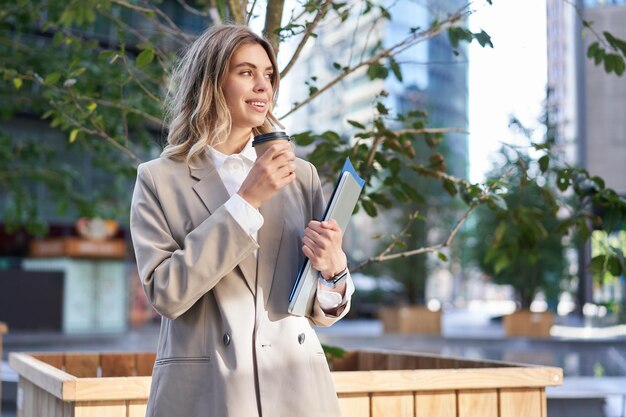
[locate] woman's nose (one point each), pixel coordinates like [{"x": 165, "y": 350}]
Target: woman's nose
[{"x": 262, "y": 84}]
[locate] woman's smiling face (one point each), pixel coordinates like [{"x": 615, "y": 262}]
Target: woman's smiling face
[{"x": 248, "y": 86}]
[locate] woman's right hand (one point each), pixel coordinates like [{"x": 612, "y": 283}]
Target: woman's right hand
[{"x": 271, "y": 172}]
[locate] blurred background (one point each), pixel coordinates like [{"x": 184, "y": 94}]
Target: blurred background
[{"x": 492, "y": 137}]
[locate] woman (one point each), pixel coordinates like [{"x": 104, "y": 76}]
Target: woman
[{"x": 219, "y": 235}]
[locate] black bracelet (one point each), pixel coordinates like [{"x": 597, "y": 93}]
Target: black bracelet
[{"x": 336, "y": 280}]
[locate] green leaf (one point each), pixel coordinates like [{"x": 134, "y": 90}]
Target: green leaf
[
  {"x": 599, "y": 56},
  {"x": 381, "y": 199},
  {"x": 394, "y": 166},
  {"x": 483, "y": 39},
  {"x": 331, "y": 136},
  {"x": 618, "y": 65},
  {"x": 562, "y": 181},
  {"x": 145, "y": 57},
  {"x": 613, "y": 266},
  {"x": 356, "y": 124},
  {"x": 442, "y": 256},
  {"x": 616, "y": 42},
  {"x": 382, "y": 109},
  {"x": 544, "y": 162},
  {"x": 304, "y": 138},
  {"x": 396, "y": 69},
  {"x": 17, "y": 83},
  {"x": 593, "y": 48},
  {"x": 369, "y": 208},
  {"x": 609, "y": 63},
  {"x": 501, "y": 263},
  {"x": 597, "y": 264},
  {"x": 449, "y": 187},
  {"x": 377, "y": 70},
  {"x": 333, "y": 351},
  {"x": 77, "y": 72},
  {"x": 52, "y": 78},
  {"x": 73, "y": 135},
  {"x": 91, "y": 107}
]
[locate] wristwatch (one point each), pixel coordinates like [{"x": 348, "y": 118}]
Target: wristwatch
[{"x": 335, "y": 281}]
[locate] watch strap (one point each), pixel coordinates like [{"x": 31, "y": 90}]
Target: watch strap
[{"x": 335, "y": 280}]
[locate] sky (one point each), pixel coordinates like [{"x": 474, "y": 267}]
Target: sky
[{"x": 508, "y": 79}]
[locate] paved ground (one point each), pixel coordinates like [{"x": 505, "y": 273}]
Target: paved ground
[{"x": 594, "y": 363}]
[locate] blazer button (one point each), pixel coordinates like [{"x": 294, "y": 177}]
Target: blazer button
[
  {"x": 301, "y": 338},
  {"x": 226, "y": 339}
]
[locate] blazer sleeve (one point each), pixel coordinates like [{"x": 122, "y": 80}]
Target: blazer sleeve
[
  {"x": 175, "y": 277},
  {"x": 318, "y": 317}
]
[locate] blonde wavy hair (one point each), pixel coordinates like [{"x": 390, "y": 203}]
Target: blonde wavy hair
[{"x": 196, "y": 110}]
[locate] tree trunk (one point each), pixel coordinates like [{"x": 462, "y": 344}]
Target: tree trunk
[{"x": 273, "y": 17}]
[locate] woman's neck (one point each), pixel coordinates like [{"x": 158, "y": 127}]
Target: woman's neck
[{"x": 236, "y": 141}]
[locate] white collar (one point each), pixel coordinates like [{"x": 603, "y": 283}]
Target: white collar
[{"x": 247, "y": 154}]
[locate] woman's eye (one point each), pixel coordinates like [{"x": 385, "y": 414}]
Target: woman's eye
[
  {"x": 247, "y": 72},
  {"x": 269, "y": 75}
]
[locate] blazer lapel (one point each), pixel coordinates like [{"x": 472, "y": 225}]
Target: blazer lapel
[
  {"x": 269, "y": 240},
  {"x": 213, "y": 194}
]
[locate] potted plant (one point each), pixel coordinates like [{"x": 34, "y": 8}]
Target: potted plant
[{"x": 519, "y": 241}]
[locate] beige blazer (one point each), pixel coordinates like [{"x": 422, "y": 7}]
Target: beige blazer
[{"x": 227, "y": 345}]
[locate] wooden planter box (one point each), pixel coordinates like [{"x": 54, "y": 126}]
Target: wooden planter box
[
  {"x": 410, "y": 319},
  {"x": 78, "y": 247},
  {"x": 525, "y": 323},
  {"x": 369, "y": 384}
]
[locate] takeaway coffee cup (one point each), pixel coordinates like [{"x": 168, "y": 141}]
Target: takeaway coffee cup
[{"x": 262, "y": 142}]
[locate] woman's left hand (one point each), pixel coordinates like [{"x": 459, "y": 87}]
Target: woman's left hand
[{"x": 322, "y": 245}]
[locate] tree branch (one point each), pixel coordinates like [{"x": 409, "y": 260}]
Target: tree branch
[
  {"x": 193, "y": 10},
  {"x": 173, "y": 27},
  {"x": 310, "y": 27},
  {"x": 251, "y": 12},
  {"x": 409, "y": 41},
  {"x": 435, "y": 248},
  {"x": 426, "y": 249},
  {"x": 102, "y": 134},
  {"x": 430, "y": 130},
  {"x": 100, "y": 101}
]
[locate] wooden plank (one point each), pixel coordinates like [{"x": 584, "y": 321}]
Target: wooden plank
[
  {"x": 528, "y": 324},
  {"x": 354, "y": 405},
  {"x": 349, "y": 362},
  {"x": 77, "y": 247},
  {"x": 34, "y": 401},
  {"x": 474, "y": 403},
  {"x": 397, "y": 362},
  {"x": 136, "y": 408},
  {"x": 398, "y": 404},
  {"x": 24, "y": 391},
  {"x": 100, "y": 409},
  {"x": 95, "y": 389},
  {"x": 145, "y": 362},
  {"x": 53, "y": 359},
  {"x": 82, "y": 365},
  {"x": 47, "y": 377},
  {"x": 435, "y": 404},
  {"x": 520, "y": 402},
  {"x": 118, "y": 364},
  {"x": 446, "y": 379},
  {"x": 433, "y": 361}
]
